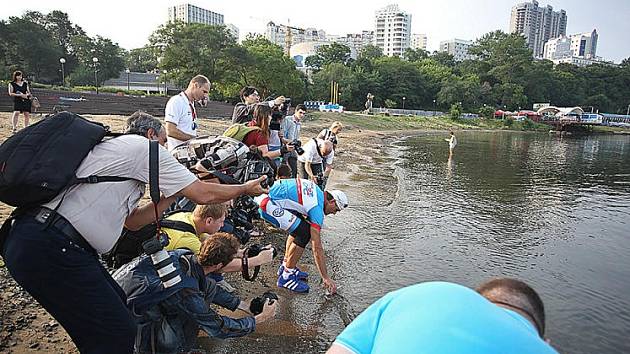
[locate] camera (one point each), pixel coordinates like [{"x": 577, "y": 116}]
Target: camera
[
  {"x": 257, "y": 304},
  {"x": 255, "y": 249},
  {"x": 256, "y": 169},
  {"x": 154, "y": 247},
  {"x": 297, "y": 145},
  {"x": 320, "y": 179}
]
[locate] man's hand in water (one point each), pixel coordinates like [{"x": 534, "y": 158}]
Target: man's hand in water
[{"x": 330, "y": 286}]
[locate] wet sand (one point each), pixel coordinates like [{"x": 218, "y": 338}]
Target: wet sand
[{"x": 304, "y": 323}]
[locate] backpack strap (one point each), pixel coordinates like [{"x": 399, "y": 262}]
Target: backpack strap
[
  {"x": 178, "y": 225},
  {"x": 154, "y": 181}
]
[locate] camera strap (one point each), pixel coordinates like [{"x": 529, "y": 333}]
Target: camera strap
[
  {"x": 154, "y": 181},
  {"x": 245, "y": 267},
  {"x": 317, "y": 148}
]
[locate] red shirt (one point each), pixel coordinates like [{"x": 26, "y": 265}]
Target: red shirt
[{"x": 256, "y": 137}]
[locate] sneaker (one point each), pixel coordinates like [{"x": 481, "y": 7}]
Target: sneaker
[
  {"x": 300, "y": 274},
  {"x": 226, "y": 286},
  {"x": 293, "y": 283}
]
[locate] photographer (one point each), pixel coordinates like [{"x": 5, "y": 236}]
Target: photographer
[
  {"x": 180, "y": 114},
  {"x": 168, "y": 319},
  {"x": 310, "y": 163},
  {"x": 207, "y": 220},
  {"x": 244, "y": 110},
  {"x": 291, "y": 126},
  {"x": 62, "y": 238},
  {"x": 260, "y": 136}
]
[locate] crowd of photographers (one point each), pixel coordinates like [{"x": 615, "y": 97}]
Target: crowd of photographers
[
  {"x": 168, "y": 263},
  {"x": 207, "y": 240}
]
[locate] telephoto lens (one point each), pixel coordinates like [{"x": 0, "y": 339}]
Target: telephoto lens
[{"x": 162, "y": 262}]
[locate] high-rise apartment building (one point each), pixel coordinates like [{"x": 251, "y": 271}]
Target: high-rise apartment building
[
  {"x": 278, "y": 34},
  {"x": 233, "y": 30},
  {"x": 537, "y": 24},
  {"x": 458, "y": 48},
  {"x": 393, "y": 30},
  {"x": 419, "y": 41},
  {"x": 354, "y": 41},
  {"x": 582, "y": 45},
  {"x": 188, "y": 13}
]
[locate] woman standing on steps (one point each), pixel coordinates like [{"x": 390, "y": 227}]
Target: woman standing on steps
[{"x": 18, "y": 89}]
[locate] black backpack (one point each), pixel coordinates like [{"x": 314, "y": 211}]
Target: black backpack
[
  {"x": 39, "y": 161},
  {"x": 129, "y": 245}
]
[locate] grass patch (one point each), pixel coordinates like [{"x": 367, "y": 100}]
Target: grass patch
[{"x": 383, "y": 123}]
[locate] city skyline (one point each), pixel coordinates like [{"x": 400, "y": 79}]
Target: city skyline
[{"x": 441, "y": 21}]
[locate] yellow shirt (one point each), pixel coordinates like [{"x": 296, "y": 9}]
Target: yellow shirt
[{"x": 182, "y": 239}]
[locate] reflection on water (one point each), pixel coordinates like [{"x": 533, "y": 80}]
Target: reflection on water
[{"x": 554, "y": 212}]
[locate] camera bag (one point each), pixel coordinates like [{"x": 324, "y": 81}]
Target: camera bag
[
  {"x": 239, "y": 131},
  {"x": 40, "y": 161}
]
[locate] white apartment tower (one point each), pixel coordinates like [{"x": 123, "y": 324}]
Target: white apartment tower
[
  {"x": 393, "y": 30},
  {"x": 458, "y": 48},
  {"x": 419, "y": 41},
  {"x": 188, "y": 13},
  {"x": 537, "y": 24}
]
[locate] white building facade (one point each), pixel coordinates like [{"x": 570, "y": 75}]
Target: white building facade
[
  {"x": 189, "y": 13},
  {"x": 393, "y": 30},
  {"x": 419, "y": 41},
  {"x": 578, "y": 49},
  {"x": 537, "y": 24},
  {"x": 458, "y": 48}
]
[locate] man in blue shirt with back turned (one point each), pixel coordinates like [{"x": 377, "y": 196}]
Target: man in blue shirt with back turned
[{"x": 503, "y": 316}]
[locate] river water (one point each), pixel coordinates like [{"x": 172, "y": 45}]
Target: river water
[{"x": 554, "y": 212}]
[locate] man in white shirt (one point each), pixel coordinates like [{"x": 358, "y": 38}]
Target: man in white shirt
[
  {"x": 310, "y": 165},
  {"x": 180, "y": 114},
  {"x": 52, "y": 250}
]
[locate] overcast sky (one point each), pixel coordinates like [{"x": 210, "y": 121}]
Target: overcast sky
[{"x": 129, "y": 23}]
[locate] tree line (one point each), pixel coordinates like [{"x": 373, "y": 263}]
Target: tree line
[{"x": 503, "y": 74}]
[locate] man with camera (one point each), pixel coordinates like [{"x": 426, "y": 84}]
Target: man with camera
[
  {"x": 291, "y": 126},
  {"x": 180, "y": 113},
  {"x": 168, "y": 319},
  {"x": 244, "y": 110},
  {"x": 61, "y": 239},
  {"x": 298, "y": 206},
  {"x": 311, "y": 162},
  {"x": 206, "y": 221}
]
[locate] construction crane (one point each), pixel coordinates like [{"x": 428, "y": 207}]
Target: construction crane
[{"x": 288, "y": 38}]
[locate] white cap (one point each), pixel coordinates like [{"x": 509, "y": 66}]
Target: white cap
[{"x": 340, "y": 198}]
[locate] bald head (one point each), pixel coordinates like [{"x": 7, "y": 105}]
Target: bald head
[
  {"x": 517, "y": 296},
  {"x": 326, "y": 147}
]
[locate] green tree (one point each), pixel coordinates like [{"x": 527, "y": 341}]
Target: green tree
[
  {"x": 191, "y": 49},
  {"x": 142, "y": 59},
  {"x": 32, "y": 49},
  {"x": 416, "y": 54},
  {"x": 327, "y": 54},
  {"x": 370, "y": 52},
  {"x": 271, "y": 71}
]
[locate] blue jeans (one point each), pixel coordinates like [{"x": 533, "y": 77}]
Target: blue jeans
[{"x": 72, "y": 285}]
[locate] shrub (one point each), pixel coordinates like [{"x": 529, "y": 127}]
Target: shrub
[
  {"x": 528, "y": 124},
  {"x": 456, "y": 111},
  {"x": 390, "y": 103},
  {"x": 508, "y": 122}
]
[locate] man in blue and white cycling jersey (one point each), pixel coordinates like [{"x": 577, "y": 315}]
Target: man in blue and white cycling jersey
[{"x": 298, "y": 206}]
